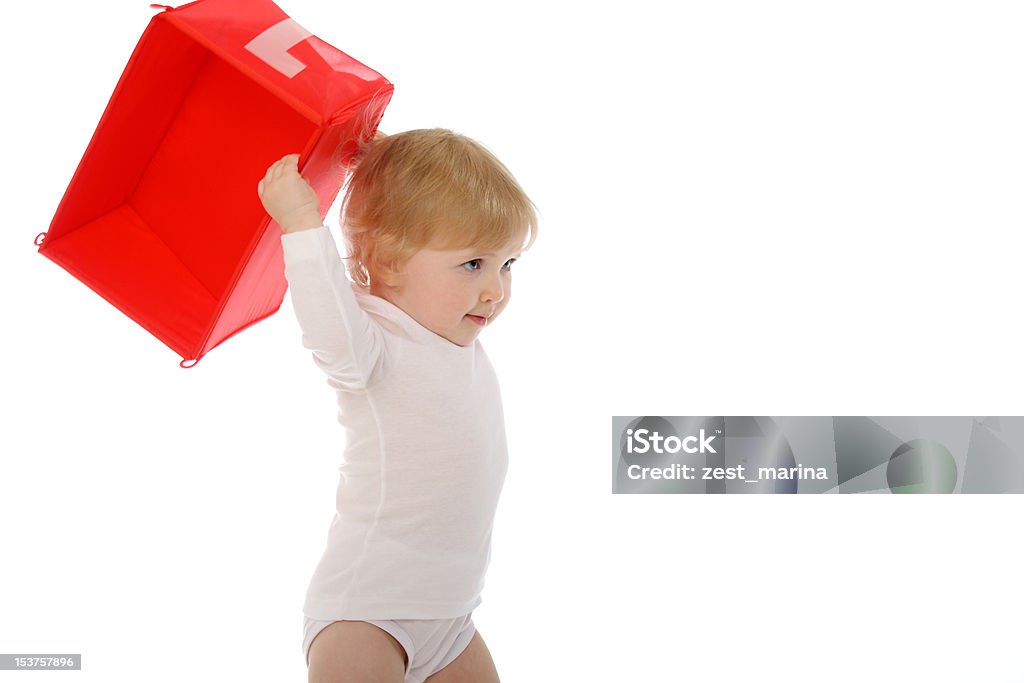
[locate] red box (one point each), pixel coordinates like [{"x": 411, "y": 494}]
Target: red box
[{"x": 162, "y": 218}]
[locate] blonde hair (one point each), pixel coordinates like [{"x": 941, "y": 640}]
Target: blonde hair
[{"x": 429, "y": 188}]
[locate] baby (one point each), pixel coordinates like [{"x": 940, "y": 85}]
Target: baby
[{"x": 433, "y": 223}]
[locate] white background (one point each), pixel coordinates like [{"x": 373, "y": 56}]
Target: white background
[{"x": 748, "y": 208}]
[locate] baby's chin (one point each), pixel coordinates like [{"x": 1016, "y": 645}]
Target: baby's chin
[{"x": 465, "y": 333}]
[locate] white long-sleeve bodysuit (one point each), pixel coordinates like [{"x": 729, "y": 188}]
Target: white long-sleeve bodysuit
[{"x": 425, "y": 455}]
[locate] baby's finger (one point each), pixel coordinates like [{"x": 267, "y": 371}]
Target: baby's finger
[{"x": 259, "y": 188}]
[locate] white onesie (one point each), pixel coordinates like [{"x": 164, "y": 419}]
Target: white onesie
[{"x": 425, "y": 453}]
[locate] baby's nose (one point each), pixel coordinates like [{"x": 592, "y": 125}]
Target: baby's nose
[{"x": 493, "y": 292}]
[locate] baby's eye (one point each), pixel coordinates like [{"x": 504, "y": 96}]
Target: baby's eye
[
  {"x": 508, "y": 264},
  {"x": 472, "y": 265}
]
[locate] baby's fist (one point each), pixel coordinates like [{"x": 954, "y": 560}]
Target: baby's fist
[{"x": 288, "y": 198}]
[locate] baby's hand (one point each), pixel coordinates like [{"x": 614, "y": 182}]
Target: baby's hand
[{"x": 288, "y": 198}]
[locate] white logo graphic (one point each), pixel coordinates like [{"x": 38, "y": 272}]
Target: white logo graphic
[
  {"x": 273, "y": 44},
  {"x": 645, "y": 441}
]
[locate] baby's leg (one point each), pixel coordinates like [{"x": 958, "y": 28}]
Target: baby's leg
[
  {"x": 473, "y": 665},
  {"x": 356, "y": 651}
]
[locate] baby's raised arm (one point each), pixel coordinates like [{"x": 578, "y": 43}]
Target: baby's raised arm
[
  {"x": 288, "y": 198},
  {"x": 346, "y": 343}
]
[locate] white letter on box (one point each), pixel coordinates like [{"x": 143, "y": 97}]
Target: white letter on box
[{"x": 272, "y": 46}]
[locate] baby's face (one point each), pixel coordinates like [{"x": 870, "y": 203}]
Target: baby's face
[{"x": 455, "y": 294}]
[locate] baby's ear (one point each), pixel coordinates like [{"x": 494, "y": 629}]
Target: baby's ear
[{"x": 389, "y": 274}]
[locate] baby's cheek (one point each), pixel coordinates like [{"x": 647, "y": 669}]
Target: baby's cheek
[{"x": 453, "y": 304}]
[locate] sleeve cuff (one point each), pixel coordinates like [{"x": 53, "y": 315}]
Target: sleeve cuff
[{"x": 306, "y": 244}]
